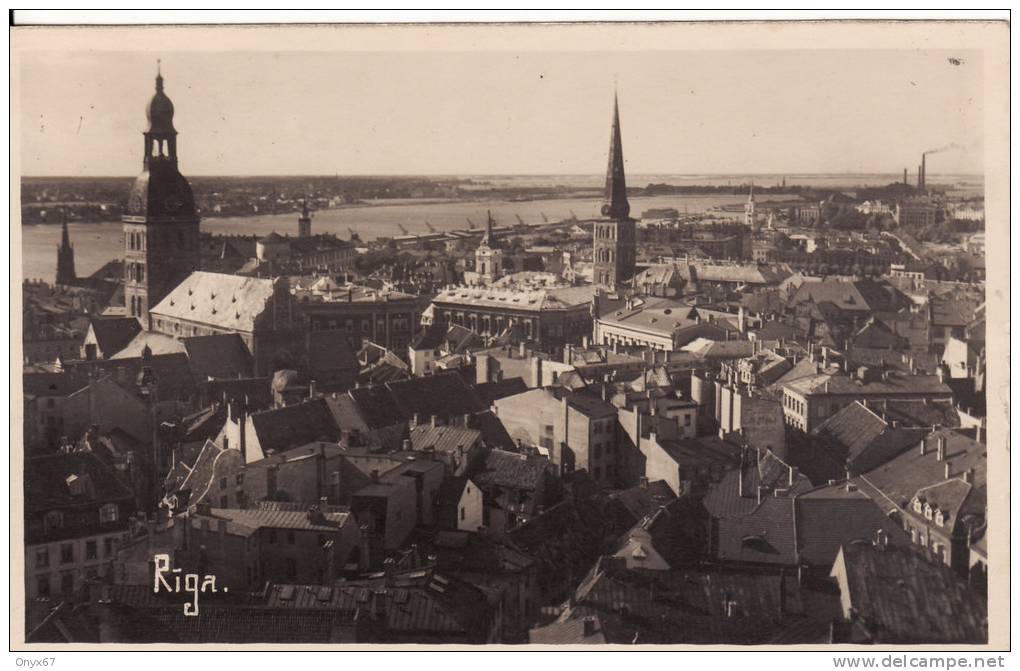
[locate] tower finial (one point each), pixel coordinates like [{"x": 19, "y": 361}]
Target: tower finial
[{"x": 159, "y": 75}]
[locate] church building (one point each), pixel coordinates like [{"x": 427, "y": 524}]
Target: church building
[
  {"x": 161, "y": 234},
  {"x": 615, "y": 234}
]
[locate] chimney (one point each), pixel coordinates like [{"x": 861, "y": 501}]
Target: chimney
[
  {"x": 904, "y": 175},
  {"x": 482, "y": 364},
  {"x": 941, "y": 442},
  {"x": 924, "y": 172},
  {"x": 643, "y": 482},
  {"x": 416, "y": 419},
  {"x": 536, "y": 371},
  {"x": 585, "y": 342},
  {"x": 968, "y": 476},
  {"x": 375, "y": 475},
  {"x": 311, "y": 389},
  {"x": 524, "y": 349},
  {"x": 949, "y": 470},
  {"x": 406, "y": 445},
  {"x": 616, "y": 347},
  {"x": 881, "y": 539},
  {"x": 434, "y": 421},
  {"x": 589, "y": 626},
  {"x": 568, "y": 354},
  {"x": 793, "y": 475}
]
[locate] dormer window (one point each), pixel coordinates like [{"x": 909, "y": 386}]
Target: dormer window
[
  {"x": 927, "y": 511},
  {"x": 940, "y": 518},
  {"x": 918, "y": 508}
]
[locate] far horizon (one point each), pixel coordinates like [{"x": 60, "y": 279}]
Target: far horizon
[{"x": 506, "y": 113}]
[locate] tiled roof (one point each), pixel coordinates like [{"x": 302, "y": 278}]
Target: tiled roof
[
  {"x": 225, "y": 301},
  {"x": 830, "y": 517},
  {"x": 766, "y": 535},
  {"x": 247, "y": 521},
  {"x": 280, "y": 429},
  {"x": 218, "y": 356},
  {"x": 894, "y": 483},
  {"x": 902, "y": 598},
  {"x": 114, "y": 333},
  {"x": 47, "y": 488},
  {"x": 52, "y": 384},
  {"x": 531, "y": 300},
  {"x": 512, "y": 470},
  {"x": 443, "y": 438}
]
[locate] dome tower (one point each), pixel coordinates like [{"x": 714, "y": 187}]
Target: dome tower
[{"x": 161, "y": 232}]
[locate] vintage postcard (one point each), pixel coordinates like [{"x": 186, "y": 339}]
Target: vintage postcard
[{"x": 529, "y": 336}]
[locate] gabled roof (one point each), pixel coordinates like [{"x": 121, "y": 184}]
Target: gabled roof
[
  {"x": 280, "y": 429},
  {"x": 443, "y": 438},
  {"x": 225, "y": 301},
  {"x": 218, "y": 356},
  {"x": 893, "y": 484},
  {"x": 511, "y": 470},
  {"x": 900, "y": 597},
  {"x": 112, "y": 334}
]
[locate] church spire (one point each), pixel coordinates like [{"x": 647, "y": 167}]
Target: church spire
[
  {"x": 65, "y": 255},
  {"x": 616, "y": 205}
]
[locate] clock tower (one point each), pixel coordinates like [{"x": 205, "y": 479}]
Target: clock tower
[{"x": 161, "y": 239}]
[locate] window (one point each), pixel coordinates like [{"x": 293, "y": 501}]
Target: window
[
  {"x": 67, "y": 581},
  {"x": 687, "y": 419},
  {"x": 463, "y": 513},
  {"x": 239, "y": 478},
  {"x": 108, "y": 513},
  {"x": 223, "y": 482},
  {"x": 53, "y": 520},
  {"x": 42, "y": 586},
  {"x": 66, "y": 553},
  {"x": 91, "y": 550},
  {"x": 107, "y": 547},
  {"x": 224, "y": 502},
  {"x": 42, "y": 557}
]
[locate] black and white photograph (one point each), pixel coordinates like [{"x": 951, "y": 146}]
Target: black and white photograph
[{"x": 530, "y": 337}]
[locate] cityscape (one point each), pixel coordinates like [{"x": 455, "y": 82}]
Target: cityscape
[{"x": 546, "y": 410}]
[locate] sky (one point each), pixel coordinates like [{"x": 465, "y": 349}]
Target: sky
[{"x": 473, "y": 113}]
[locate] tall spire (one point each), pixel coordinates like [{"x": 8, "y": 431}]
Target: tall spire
[
  {"x": 487, "y": 238},
  {"x": 616, "y": 205},
  {"x": 750, "y": 198},
  {"x": 65, "y": 255}
]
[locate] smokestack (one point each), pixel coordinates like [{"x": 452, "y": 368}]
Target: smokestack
[
  {"x": 920, "y": 179},
  {"x": 904, "y": 176},
  {"x": 924, "y": 170}
]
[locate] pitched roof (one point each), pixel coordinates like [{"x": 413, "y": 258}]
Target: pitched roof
[
  {"x": 230, "y": 302},
  {"x": 244, "y": 522},
  {"x": 895, "y": 482},
  {"x": 280, "y": 429},
  {"x": 902, "y": 598},
  {"x": 112, "y": 334},
  {"x": 830, "y": 516},
  {"x": 443, "y": 438},
  {"x": 218, "y": 356},
  {"x": 512, "y": 470}
]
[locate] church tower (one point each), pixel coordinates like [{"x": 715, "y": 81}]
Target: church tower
[
  {"x": 614, "y": 235},
  {"x": 750, "y": 216},
  {"x": 304, "y": 222},
  {"x": 161, "y": 237},
  {"x": 65, "y": 257},
  {"x": 488, "y": 256}
]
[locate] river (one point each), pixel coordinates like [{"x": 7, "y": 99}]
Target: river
[{"x": 96, "y": 243}]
